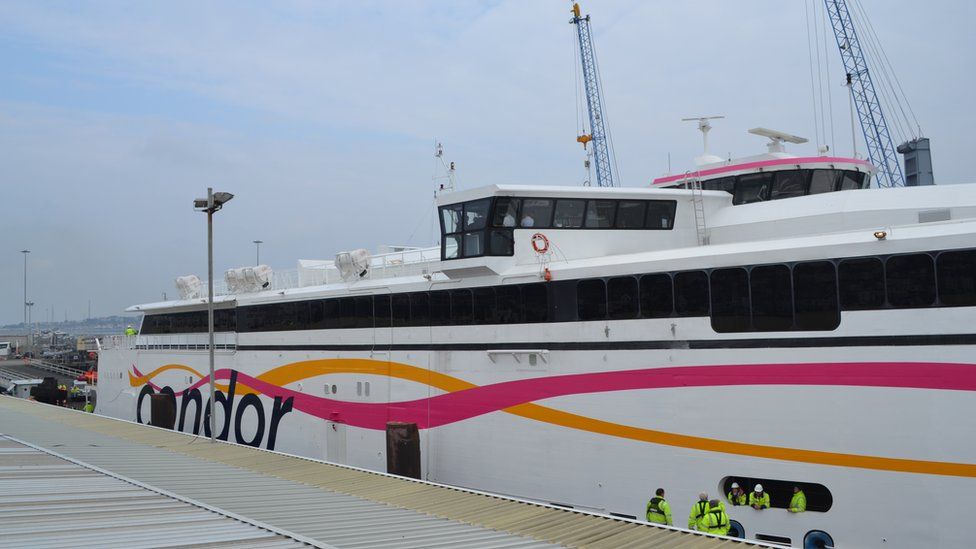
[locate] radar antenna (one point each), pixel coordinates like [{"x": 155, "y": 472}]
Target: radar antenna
[
  {"x": 704, "y": 127},
  {"x": 777, "y": 138}
]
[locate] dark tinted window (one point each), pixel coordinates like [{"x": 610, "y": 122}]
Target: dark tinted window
[
  {"x": 536, "y": 302},
  {"x": 772, "y": 298},
  {"x": 726, "y": 184},
  {"x": 591, "y": 299},
  {"x": 401, "y": 310},
  {"x": 691, "y": 293},
  {"x": 364, "y": 312},
  {"x": 660, "y": 214},
  {"x": 461, "y": 307},
  {"x": 752, "y": 188},
  {"x": 569, "y": 214},
  {"x": 957, "y": 278},
  {"x": 622, "y": 297},
  {"x": 852, "y": 180},
  {"x": 861, "y": 284},
  {"x": 656, "y": 300},
  {"x": 790, "y": 183},
  {"x": 347, "y": 313},
  {"x": 536, "y": 212},
  {"x": 509, "y": 304},
  {"x": 440, "y": 308},
  {"x": 730, "y": 300},
  {"x": 501, "y": 242},
  {"x": 474, "y": 244},
  {"x": 381, "y": 311},
  {"x": 630, "y": 214},
  {"x": 506, "y": 212},
  {"x": 910, "y": 280},
  {"x": 419, "y": 309},
  {"x": 815, "y": 296},
  {"x": 324, "y": 314},
  {"x": 476, "y": 214},
  {"x": 484, "y": 305},
  {"x": 600, "y": 213},
  {"x": 823, "y": 181}
]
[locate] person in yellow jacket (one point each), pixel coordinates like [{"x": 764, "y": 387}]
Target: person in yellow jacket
[
  {"x": 698, "y": 511},
  {"x": 716, "y": 520},
  {"x": 737, "y": 496},
  {"x": 658, "y": 509},
  {"x": 758, "y": 499},
  {"x": 130, "y": 331},
  {"x": 798, "y": 503}
]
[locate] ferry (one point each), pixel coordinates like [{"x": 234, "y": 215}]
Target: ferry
[{"x": 771, "y": 320}]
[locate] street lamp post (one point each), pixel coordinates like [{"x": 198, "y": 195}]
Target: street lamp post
[
  {"x": 257, "y": 251},
  {"x": 30, "y": 331},
  {"x": 25, "y": 252},
  {"x": 211, "y": 204}
]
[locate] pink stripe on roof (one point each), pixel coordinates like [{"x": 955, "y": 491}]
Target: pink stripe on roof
[{"x": 763, "y": 164}]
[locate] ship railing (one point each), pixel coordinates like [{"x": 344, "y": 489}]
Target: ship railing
[{"x": 223, "y": 341}]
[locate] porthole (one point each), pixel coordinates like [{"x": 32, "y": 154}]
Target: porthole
[
  {"x": 333, "y": 389},
  {"x": 817, "y": 539},
  {"x": 736, "y": 530}
]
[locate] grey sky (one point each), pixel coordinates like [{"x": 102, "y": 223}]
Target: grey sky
[{"x": 321, "y": 116}]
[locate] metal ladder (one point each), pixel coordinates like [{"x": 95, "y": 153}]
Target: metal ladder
[{"x": 699, "y": 203}]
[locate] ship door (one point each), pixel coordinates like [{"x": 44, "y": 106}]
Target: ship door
[{"x": 335, "y": 442}]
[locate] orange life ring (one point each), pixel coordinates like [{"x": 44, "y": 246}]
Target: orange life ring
[{"x": 540, "y": 243}]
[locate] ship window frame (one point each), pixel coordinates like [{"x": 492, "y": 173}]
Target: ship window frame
[
  {"x": 623, "y": 298},
  {"x": 686, "y": 302},
  {"x": 650, "y": 305},
  {"x": 731, "y": 309},
  {"x": 859, "y": 302},
  {"x": 763, "y": 183},
  {"x": 591, "y": 299},
  {"x": 777, "y": 192},
  {"x": 947, "y": 278},
  {"x": 907, "y": 290},
  {"x": 771, "y": 298}
]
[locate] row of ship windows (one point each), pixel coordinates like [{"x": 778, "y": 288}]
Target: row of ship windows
[
  {"x": 778, "y": 297},
  {"x": 484, "y": 226},
  {"x": 759, "y": 187}
]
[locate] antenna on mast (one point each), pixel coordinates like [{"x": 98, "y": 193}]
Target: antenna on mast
[
  {"x": 704, "y": 127},
  {"x": 449, "y": 175}
]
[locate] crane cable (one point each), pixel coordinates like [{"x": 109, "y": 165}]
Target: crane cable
[
  {"x": 813, "y": 90},
  {"x": 895, "y": 93}
]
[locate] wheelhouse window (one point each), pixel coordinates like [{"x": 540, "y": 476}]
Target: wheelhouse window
[
  {"x": 752, "y": 188},
  {"x": 487, "y": 226},
  {"x": 790, "y": 183},
  {"x": 536, "y": 212},
  {"x": 600, "y": 214},
  {"x": 569, "y": 214},
  {"x": 630, "y": 214}
]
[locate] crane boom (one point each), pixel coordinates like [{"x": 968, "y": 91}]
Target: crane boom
[
  {"x": 877, "y": 138},
  {"x": 594, "y": 103}
]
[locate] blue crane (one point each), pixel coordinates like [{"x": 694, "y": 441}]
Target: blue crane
[
  {"x": 591, "y": 83},
  {"x": 877, "y": 138}
]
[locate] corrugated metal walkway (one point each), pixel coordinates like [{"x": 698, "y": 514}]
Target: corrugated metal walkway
[
  {"x": 328, "y": 504},
  {"x": 46, "y": 501}
]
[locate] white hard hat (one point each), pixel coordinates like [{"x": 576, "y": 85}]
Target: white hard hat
[
  {"x": 735, "y": 484},
  {"x": 759, "y": 487}
]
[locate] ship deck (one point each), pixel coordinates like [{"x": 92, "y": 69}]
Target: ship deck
[{"x": 57, "y": 459}]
